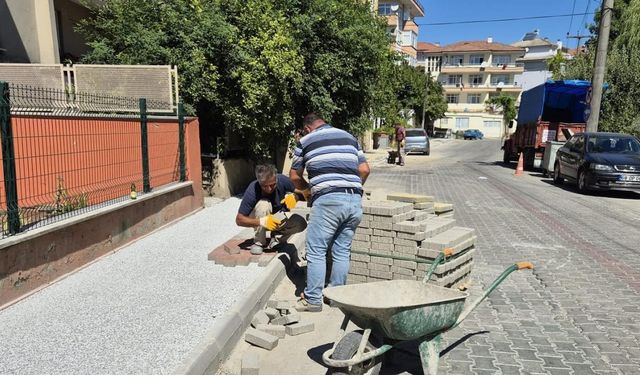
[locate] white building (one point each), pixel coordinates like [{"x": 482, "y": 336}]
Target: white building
[{"x": 537, "y": 52}]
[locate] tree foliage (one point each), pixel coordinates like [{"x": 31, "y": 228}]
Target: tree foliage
[
  {"x": 620, "y": 111},
  {"x": 506, "y": 104},
  {"x": 557, "y": 65},
  {"x": 254, "y": 68}
]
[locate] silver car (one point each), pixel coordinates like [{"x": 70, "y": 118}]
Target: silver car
[{"x": 417, "y": 141}]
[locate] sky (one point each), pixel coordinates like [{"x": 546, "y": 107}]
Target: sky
[{"x": 437, "y": 11}]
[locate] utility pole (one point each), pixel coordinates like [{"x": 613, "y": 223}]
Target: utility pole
[
  {"x": 579, "y": 38},
  {"x": 426, "y": 94},
  {"x": 600, "y": 65}
]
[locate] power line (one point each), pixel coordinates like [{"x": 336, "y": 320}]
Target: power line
[
  {"x": 503, "y": 19},
  {"x": 573, "y": 9}
]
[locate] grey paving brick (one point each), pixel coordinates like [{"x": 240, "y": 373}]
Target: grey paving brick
[
  {"x": 379, "y": 267},
  {"x": 410, "y": 198},
  {"x": 554, "y": 362},
  {"x": 376, "y": 246},
  {"x": 360, "y": 257},
  {"x": 384, "y": 233},
  {"x": 509, "y": 369},
  {"x": 483, "y": 363},
  {"x": 381, "y": 260}
]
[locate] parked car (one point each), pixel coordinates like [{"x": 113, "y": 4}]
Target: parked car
[
  {"x": 599, "y": 160},
  {"x": 417, "y": 141},
  {"x": 472, "y": 134}
]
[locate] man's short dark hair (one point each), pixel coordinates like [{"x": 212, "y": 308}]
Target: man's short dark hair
[
  {"x": 265, "y": 172},
  {"x": 310, "y": 119}
]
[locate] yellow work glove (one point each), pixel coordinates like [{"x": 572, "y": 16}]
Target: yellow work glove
[
  {"x": 289, "y": 200},
  {"x": 270, "y": 223}
]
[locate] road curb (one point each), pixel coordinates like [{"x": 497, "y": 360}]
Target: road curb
[{"x": 219, "y": 341}]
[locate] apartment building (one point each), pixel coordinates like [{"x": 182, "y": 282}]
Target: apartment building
[
  {"x": 41, "y": 31},
  {"x": 401, "y": 25},
  {"x": 471, "y": 72},
  {"x": 538, "y": 51}
]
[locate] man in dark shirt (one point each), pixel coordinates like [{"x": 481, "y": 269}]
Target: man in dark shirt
[{"x": 270, "y": 193}]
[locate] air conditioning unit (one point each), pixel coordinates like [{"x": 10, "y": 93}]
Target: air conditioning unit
[{"x": 500, "y": 85}]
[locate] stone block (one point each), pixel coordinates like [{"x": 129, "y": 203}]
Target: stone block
[
  {"x": 404, "y": 242},
  {"x": 440, "y": 207},
  {"x": 405, "y": 250},
  {"x": 361, "y": 237},
  {"x": 425, "y": 252},
  {"x": 384, "y": 233},
  {"x": 424, "y": 215},
  {"x": 299, "y": 328},
  {"x": 385, "y": 208},
  {"x": 275, "y": 330},
  {"x": 409, "y": 198},
  {"x": 453, "y": 238},
  {"x": 385, "y": 275},
  {"x": 386, "y": 225},
  {"x": 356, "y": 279},
  {"x": 378, "y": 267},
  {"x": 359, "y": 271},
  {"x": 260, "y": 318},
  {"x": 283, "y": 304},
  {"x": 231, "y": 247},
  {"x": 360, "y": 257},
  {"x": 410, "y": 226},
  {"x": 420, "y": 236},
  {"x": 367, "y": 217},
  {"x": 261, "y": 339},
  {"x": 405, "y": 264},
  {"x": 250, "y": 363},
  {"x": 286, "y": 319},
  {"x": 423, "y": 206},
  {"x": 402, "y": 271},
  {"x": 381, "y": 260},
  {"x": 272, "y": 303},
  {"x": 271, "y": 312},
  {"x": 439, "y": 225},
  {"x": 361, "y": 246},
  {"x": 380, "y": 239},
  {"x": 395, "y": 218},
  {"x": 356, "y": 264},
  {"x": 364, "y": 224},
  {"x": 364, "y": 231},
  {"x": 375, "y": 246},
  {"x": 381, "y": 253}
]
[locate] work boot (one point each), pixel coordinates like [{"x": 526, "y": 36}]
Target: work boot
[
  {"x": 303, "y": 305},
  {"x": 256, "y": 249}
]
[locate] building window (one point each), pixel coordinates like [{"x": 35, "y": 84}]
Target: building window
[
  {"x": 492, "y": 124},
  {"x": 476, "y": 59},
  {"x": 453, "y": 98},
  {"x": 444, "y": 121},
  {"x": 462, "y": 123},
  {"x": 473, "y": 99},
  {"x": 499, "y": 78},
  {"x": 475, "y": 79},
  {"x": 456, "y": 60},
  {"x": 454, "y": 79},
  {"x": 384, "y": 9},
  {"x": 501, "y": 60}
]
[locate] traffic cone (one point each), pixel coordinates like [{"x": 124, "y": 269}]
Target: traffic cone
[{"x": 520, "y": 167}]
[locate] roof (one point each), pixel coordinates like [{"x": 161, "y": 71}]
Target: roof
[
  {"x": 480, "y": 45},
  {"x": 534, "y": 43},
  {"x": 428, "y": 47}
]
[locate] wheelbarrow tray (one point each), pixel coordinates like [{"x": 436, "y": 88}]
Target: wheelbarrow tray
[{"x": 399, "y": 309}]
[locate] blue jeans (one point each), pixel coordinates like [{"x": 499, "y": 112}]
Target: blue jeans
[{"x": 332, "y": 223}]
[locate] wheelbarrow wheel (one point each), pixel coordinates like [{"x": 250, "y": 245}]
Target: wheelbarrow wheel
[{"x": 347, "y": 348}]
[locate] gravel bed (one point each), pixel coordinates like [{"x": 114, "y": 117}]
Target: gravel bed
[{"x": 140, "y": 310}]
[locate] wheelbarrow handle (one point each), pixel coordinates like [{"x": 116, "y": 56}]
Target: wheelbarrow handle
[
  {"x": 436, "y": 262},
  {"x": 469, "y": 308}
]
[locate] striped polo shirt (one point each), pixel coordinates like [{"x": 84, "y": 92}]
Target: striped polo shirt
[{"x": 331, "y": 157}]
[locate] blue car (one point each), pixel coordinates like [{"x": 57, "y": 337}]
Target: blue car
[{"x": 473, "y": 134}]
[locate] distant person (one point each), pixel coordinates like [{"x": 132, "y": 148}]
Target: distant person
[
  {"x": 337, "y": 170},
  {"x": 401, "y": 134},
  {"x": 269, "y": 194}
]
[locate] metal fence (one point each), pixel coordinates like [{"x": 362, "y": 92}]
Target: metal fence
[{"x": 65, "y": 154}]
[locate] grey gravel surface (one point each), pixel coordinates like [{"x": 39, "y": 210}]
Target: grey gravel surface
[{"x": 138, "y": 311}]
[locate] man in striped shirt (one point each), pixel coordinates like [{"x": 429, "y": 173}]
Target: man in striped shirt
[{"x": 337, "y": 169}]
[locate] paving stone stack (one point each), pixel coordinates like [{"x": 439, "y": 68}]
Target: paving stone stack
[{"x": 399, "y": 238}]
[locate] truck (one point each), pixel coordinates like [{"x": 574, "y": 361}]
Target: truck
[{"x": 552, "y": 111}]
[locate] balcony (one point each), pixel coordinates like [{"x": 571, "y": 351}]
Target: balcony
[
  {"x": 493, "y": 87},
  {"x": 484, "y": 67},
  {"x": 407, "y": 39}
]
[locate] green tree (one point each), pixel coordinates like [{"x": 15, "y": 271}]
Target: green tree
[
  {"x": 557, "y": 65},
  {"x": 506, "y": 104},
  {"x": 254, "y": 68},
  {"x": 436, "y": 105}
]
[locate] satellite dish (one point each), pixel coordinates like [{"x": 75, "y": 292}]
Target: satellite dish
[{"x": 394, "y": 7}]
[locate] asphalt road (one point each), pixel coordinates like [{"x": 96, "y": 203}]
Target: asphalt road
[{"x": 578, "y": 311}]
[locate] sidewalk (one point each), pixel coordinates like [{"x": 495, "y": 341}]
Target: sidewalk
[{"x": 139, "y": 310}]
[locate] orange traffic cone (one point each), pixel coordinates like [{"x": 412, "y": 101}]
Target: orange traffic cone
[{"x": 520, "y": 167}]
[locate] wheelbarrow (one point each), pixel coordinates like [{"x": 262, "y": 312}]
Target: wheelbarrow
[{"x": 394, "y": 311}]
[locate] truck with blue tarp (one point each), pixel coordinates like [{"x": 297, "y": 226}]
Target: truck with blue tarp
[{"x": 548, "y": 112}]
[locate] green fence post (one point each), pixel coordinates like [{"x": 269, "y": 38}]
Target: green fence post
[
  {"x": 183, "y": 170},
  {"x": 8, "y": 161},
  {"x": 146, "y": 185}
]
